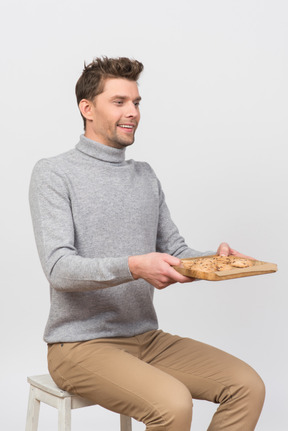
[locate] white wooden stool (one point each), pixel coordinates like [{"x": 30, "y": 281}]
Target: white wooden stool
[{"x": 43, "y": 389}]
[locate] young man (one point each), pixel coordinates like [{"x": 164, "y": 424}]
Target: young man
[{"x": 106, "y": 240}]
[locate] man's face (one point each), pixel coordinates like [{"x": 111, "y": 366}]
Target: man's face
[{"x": 114, "y": 114}]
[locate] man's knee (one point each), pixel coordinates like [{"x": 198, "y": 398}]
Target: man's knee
[
  {"x": 256, "y": 388},
  {"x": 180, "y": 411},
  {"x": 174, "y": 413},
  {"x": 251, "y": 387}
]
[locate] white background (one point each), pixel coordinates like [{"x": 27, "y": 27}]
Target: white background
[{"x": 214, "y": 128}]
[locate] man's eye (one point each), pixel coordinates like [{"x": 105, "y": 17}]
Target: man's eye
[{"x": 118, "y": 102}]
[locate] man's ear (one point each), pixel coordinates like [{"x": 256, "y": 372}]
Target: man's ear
[{"x": 85, "y": 107}]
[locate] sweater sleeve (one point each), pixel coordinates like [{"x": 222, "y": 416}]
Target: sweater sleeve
[
  {"x": 54, "y": 233},
  {"x": 169, "y": 239}
]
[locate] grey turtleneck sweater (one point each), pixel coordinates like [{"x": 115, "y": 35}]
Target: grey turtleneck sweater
[{"x": 91, "y": 210}]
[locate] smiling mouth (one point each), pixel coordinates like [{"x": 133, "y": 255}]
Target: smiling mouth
[
  {"x": 127, "y": 129},
  {"x": 126, "y": 126}
]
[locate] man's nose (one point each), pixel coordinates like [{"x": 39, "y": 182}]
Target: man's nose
[{"x": 132, "y": 110}]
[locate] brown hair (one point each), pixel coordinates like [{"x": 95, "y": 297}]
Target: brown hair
[{"x": 91, "y": 82}]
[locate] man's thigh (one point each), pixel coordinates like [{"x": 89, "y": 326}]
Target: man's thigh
[
  {"x": 110, "y": 373},
  {"x": 209, "y": 373}
]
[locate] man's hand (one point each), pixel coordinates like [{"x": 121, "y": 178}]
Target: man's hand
[
  {"x": 156, "y": 268},
  {"x": 225, "y": 250}
]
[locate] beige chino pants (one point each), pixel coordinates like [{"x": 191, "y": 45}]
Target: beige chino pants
[{"x": 153, "y": 377}]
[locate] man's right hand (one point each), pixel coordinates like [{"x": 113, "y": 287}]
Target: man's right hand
[{"x": 157, "y": 269}]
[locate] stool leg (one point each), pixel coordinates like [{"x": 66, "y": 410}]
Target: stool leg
[
  {"x": 32, "y": 412},
  {"x": 125, "y": 423},
  {"x": 64, "y": 414}
]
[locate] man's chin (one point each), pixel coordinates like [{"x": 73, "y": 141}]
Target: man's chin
[{"x": 123, "y": 143}]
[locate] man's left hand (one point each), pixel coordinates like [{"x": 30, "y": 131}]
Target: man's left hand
[{"x": 225, "y": 250}]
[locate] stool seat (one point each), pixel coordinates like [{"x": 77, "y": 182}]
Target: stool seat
[{"x": 43, "y": 389}]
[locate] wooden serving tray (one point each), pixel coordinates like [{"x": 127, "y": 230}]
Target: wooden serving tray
[{"x": 258, "y": 267}]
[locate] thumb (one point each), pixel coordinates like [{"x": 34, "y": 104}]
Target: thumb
[
  {"x": 223, "y": 249},
  {"x": 172, "y": 260}
]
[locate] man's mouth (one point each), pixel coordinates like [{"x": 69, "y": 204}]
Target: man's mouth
[{"x": 126, "y": 126}]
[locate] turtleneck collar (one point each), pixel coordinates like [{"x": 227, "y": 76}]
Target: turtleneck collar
[{"x": 100, "y": 151}]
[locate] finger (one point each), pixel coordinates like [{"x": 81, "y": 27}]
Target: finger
[
  {"x": 163, "y": 285},
  {"x": 236, "y": 253},
  {"x": 223, "y": 249},
  {"x": 176, "y": 277},
  {"x": 171, "y": 260},
  {"x": 187, "y": 279}
]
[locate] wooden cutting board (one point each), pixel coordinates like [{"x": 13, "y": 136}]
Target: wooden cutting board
[{"x": 257, "y": 267}]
